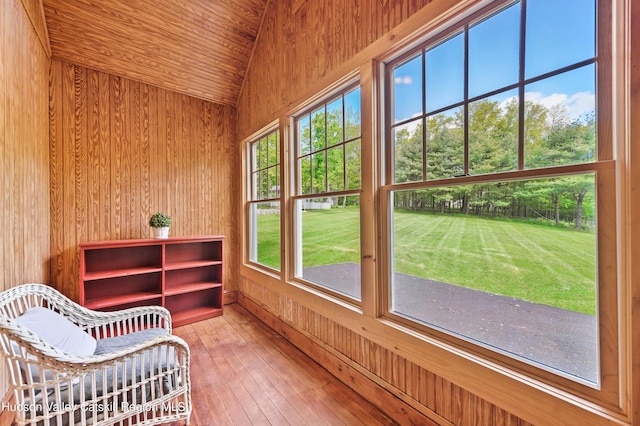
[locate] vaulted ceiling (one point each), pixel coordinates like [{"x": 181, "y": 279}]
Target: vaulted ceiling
[{"x": 197, "y": 47}]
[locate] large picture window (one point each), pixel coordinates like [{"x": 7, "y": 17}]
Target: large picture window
[
  {"x": 327, "y": 201},
  {"x": 492, "y": 168},
  {"x": 264, "y": 200}
]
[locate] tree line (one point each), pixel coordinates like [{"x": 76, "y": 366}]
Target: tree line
[{"x": 434, "y": 149}]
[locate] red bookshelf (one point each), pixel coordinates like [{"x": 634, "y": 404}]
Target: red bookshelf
[{"x": 183, "y": 274}]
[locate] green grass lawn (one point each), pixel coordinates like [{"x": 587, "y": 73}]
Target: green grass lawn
[
  {"x": 537, "y": 263},
  {"x": 269, "y": 240},
  {"x": 330, "y": 236},
  {"x": 533, "y": 262}
]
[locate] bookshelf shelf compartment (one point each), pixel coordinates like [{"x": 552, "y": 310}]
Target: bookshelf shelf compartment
[
  {"x": 103, "y": 275},
  {"x": 190, "y": 288},
  {"x": 191, "y": 264},
  {"x": 117, "y": 301},
  {"x": 185, "y": 275},
  {"x": 193, "y": 306}
]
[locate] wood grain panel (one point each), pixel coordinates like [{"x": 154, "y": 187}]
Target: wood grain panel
[
  {"x": 122, "y": 150},
  {"x": 407, "y": 392},
  {"x": 197, "y": 47},
  {"x": 35, "y": 11},
  {"x": 297, "y": 49},
  {"x": 24, "y": 150}
]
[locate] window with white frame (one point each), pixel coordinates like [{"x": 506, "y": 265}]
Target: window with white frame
[
  {"x": 264, "y": 200},
  {"x": 327, "y": 201},
  {"x": 493, "y": 157}
]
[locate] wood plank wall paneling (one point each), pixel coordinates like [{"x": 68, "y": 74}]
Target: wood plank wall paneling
[
  {"x": 633, "y": 196},
  {"x": 301, "y": 42},
  {"x": 24, "y": 152},
  {"x": 35, "y": 11},
  {"x": 122, "y": 150}
]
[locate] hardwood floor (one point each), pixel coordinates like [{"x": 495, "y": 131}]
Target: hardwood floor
[{"x": 243, "y": 373}]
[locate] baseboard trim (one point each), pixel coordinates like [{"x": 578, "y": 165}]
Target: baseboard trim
[
  {"x": 388, "y": 399},
  {"x": 230, "y": 297}
]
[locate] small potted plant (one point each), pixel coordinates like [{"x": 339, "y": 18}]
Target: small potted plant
[{"x": 160, "y": 223}]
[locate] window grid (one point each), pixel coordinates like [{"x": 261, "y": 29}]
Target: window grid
[
  {"x": 327, "y": 155},
  {"x": 309, "y": 155},
  {"x": 263, "y": 201},
  {"x": 265, "y": 167},
  {"x": 592, "y": 165},
  {"x": 467, "y": 100}
]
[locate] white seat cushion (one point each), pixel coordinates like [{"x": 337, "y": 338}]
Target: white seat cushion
[{"x": 58, "y": 331}]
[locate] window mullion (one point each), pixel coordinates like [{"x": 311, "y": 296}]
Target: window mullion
[
  {"x": 521, "y": 76},
  {"x": 326, "y": 151},
  {"x": 466, "y": 101},
  {"x": 424, "y": 116}
]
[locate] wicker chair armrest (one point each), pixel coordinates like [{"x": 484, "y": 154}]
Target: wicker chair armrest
[
  {"x": 104, "y": 324},
  {"x": 169, "y": 340},
  {"x": 53, "y": 358}
]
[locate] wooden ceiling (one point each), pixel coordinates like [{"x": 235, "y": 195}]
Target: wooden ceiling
[{"x": 197, "y": 47}]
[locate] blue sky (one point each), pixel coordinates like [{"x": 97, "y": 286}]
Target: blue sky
[{"x": 558, "y": 33}]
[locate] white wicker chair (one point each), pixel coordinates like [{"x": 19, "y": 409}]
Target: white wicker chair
[{"x": 146, "y": 383}]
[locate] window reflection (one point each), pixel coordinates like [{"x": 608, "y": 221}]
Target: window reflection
[
  {"x": 407, "y": 89},
  {"x": 559, "y": 33},
  {"x": 510, "y": 265},
  {"x": 494, "y": 52},
  {"x": 329, "y": 237},
  {"x": 445, "y": 73},
  {"x": 408, "y": 152},
  {"x": 493, "y": 134},
  {"x": 560, "y": 119},
  {"x": 445, "y": 144}
]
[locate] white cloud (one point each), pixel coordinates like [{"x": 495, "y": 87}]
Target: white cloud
[
  {"x": 412, "y": 125},
  {"x": 577, "y": 105},
  {"x": 403, "y": 80}
]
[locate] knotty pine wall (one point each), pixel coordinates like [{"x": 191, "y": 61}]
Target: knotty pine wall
[
  {"x": 24, "y": 150},
  {"x": 303, "y": 48},
  {"x": 316, "y": 38},
  {"x": 122, "y": 150}
]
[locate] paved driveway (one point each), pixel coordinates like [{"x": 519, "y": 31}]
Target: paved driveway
[{"x": 563, "y": 340}]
